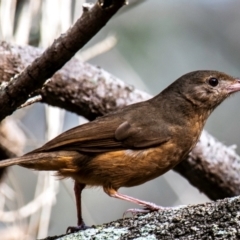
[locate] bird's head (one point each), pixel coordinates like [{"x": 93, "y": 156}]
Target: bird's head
[{"x": 206, "y": 89}]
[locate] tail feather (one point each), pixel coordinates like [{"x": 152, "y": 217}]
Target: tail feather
[
  {"x": 48, "y": 161},
  {"x": 12, "y": 161}
]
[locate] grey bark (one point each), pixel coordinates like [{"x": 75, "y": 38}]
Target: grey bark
[{"x": 213, "y": 220}]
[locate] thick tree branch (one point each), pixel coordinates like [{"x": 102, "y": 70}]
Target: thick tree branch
[
  {"x": 33, "y": 77},
  {"x": 213, "y": 220},
  {"x": 78, "y": 87},
  {"x": 90, "y": 91}
]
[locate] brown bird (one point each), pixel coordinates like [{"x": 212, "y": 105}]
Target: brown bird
[{"x": 136, "y": 143}]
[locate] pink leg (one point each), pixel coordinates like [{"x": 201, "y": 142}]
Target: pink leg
[
  {"x": 148, "y": 206},
  {"x": 78, "y": 187}
]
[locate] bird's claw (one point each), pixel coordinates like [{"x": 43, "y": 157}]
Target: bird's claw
[
  {"x": 135, "y": 211},
  {"x": 153, "y": 207},
  {"x": 73, "y": 229},
  {"x": 147, "y": 208}
]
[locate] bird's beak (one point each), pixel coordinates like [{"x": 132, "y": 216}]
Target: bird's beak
[{"x": 234, "y": 87}]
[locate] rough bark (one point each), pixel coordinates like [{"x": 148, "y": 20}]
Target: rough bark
[
  {"x": 53, "y": 58},
  {"x": 89, "y": 91},
  {"x": 213, "y": 220}
]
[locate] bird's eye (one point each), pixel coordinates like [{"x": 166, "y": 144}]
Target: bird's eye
[{"x": 213, "y": 82}]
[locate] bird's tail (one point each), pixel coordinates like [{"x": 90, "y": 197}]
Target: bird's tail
[{"x": 48, "y": 161}]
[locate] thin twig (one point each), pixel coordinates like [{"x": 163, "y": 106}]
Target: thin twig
[
  {"x": 99, "y": 48},
  {"x": 44, "y": 198},
  {"x": 30, "y": 101}
]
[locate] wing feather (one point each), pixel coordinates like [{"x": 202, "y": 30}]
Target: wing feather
[{"x": 123, "y": 129}]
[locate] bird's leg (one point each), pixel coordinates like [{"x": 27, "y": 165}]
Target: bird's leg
[
  {"x": 78, "y": 187},
  {"x": 148, "y": 206}
]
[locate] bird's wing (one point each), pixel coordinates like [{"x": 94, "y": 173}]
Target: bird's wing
[{"x": 109, "y": 133}]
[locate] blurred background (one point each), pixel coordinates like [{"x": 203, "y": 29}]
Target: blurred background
[{"x": 148, "y": 44}]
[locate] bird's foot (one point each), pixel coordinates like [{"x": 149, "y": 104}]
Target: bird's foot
[
  {"x": 148, "y": 207},
  {"x": 152, "y": 207},
  {"x": 134, "y": 211},
  {"x": 73, "y": 229}
]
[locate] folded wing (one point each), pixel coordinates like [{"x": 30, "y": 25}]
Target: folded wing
[{"x": 123, "y": 129}]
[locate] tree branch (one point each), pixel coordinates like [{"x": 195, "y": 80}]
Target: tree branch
[
  {"x": 89, "y": 91},
  {"x": 78, "y": 87},
  {"x": 33, "y": 77},
  {"x": 213, "y": 220}
]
